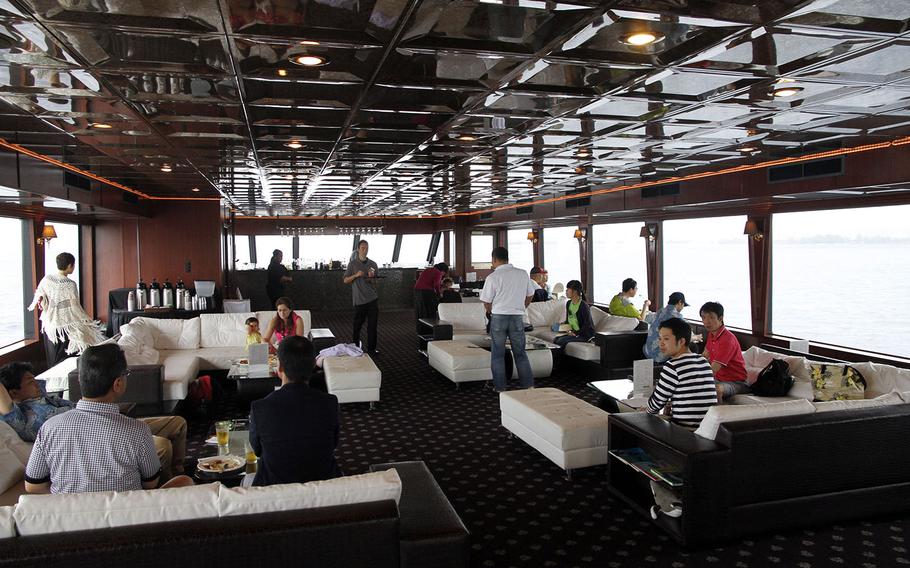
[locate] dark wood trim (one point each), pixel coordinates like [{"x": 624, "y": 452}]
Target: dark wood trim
[
  {"x": 759, "y": 247},
  {"x": 654, "y": 253}
]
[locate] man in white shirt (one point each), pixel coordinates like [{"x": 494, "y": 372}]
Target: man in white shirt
[{"x": 506, "y": 293}]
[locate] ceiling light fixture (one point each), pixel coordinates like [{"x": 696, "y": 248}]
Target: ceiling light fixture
[
  {"x": 748, "y": 149},
  {"x": 309, "y": 42},
  {"x": 196, "y": 189},
  {"x": 641, "y": 39},
  {"x": 166, "y": 168},
  {"x": 308, "y": 60},
  {"x": 294, "y": 144},
  {"x": 786, "y": 91},
  {"x": 100, "y": 125},
  {"x": 466, "y": 137},
  {"x": 282, "y": 72}
]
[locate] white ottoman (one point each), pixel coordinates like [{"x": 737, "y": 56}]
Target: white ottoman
[
  {"x": 569, "y": 431},
  {"x": 352, "y": 379},
  {"x": 459, "y": 361}
]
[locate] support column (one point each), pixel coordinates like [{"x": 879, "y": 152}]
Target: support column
[
  {"x": 760, "y": 271},
  {"x": 654, "y": 259}
]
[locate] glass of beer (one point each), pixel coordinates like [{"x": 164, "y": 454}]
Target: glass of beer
[
  {"x": 223, "y": 432},
  {"x": 250, "y": 458}
]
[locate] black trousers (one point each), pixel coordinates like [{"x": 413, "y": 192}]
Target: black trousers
[
  {"x": 54, "y": 351},
  {"x": 426, "y": 305},
  {"x": 368, "y": 312}
]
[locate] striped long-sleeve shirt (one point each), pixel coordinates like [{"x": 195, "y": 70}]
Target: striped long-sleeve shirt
[{"x": 688, "y": 383}]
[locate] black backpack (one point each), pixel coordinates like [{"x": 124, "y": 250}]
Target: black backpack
[{"x": 774, "y": 379}]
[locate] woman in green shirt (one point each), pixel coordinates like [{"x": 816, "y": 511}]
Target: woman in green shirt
[{"x": 578, "y": 316}]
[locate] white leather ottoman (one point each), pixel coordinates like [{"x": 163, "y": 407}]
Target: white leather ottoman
[
  {"x": 568, "y": 431},
  {"x": 459, "y": 361},
  {"x": 352, "y": 379}
]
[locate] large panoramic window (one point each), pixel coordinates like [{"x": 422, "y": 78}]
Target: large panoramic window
[
  {"x": 381, "y": 248},
  {"x": 481, "y": 246},
  {"x": 242, "y": 252},
  {"x": 619, "y": 253},
  {"x": 266, "y": 244},
  {"x": 521, "y": 250},
  {"x": 561, "y": 257},
  {"x": 840, "y": 277},
  {"x": 67, "y": 241},
  {"x": 414, "y": 249},
  {"x": 316, "y": 249},
  {"x": 708, "y": 260},
  {"x": 13, "y": 296}
]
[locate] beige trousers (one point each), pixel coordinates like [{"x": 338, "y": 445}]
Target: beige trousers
[{"x": 169, "y": 433}]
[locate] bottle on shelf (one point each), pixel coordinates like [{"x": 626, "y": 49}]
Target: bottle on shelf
[
  {"x": 178, "y": 292},
  {"x": 167, "y": 295},
  {"x": 131, "y": 301},
  {"x": 155, "y": 294},
  {"x": 141, "y": 294}
]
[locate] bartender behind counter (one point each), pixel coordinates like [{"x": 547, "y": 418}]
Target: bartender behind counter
[{"x": 277, "y": 277}]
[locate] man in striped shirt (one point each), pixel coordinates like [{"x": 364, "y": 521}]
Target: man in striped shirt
[{"x": 686, "y": 381}]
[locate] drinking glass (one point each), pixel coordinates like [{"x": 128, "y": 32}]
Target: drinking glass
[
  {"x": 250, "y": 457},
  {"x": 223, "y": 432}
]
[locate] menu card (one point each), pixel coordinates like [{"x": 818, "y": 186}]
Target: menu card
[
  {"x": 259, "y": 361},
  {"x": 643, "y": 378}
]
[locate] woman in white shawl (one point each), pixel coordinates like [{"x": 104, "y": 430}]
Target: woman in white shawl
[{"x": 67, "y": 328}]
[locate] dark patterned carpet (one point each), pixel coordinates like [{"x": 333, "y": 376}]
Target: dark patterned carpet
[{"x": 519, "y": 507}]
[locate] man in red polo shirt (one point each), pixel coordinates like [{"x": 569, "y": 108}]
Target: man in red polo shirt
[{"x": 723, "y": 352}]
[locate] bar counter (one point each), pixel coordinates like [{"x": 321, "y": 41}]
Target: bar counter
[{"x": 324, "y": 290}]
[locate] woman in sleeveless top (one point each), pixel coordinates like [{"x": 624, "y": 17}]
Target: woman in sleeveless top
[{"x": 285, "y": 324}]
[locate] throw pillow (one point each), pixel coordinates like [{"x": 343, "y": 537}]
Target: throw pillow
[{"x": 837, "y": 382}]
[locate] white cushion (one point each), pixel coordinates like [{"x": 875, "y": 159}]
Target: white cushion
[
  {"x": 889, "y": 399},
  {"x": 564, "y": 421},
  {"x": 351, "y": 373},
  {"x": 756, "y": 359},
  {"x": 173, "y": 333},
  {"x": 584, "y": 351},
  {"x": 464, "y": 317},
  {"x": 57, "y": 377},
  {"x": 7, "y": 523},
  {"x": 881, "y": 379},
  {"x": 802, "y": 388},
  {"x": 138, "y": 343},
  {"x": 265, "y": 317},
  {"x": 377, "y": 486},
  {"x": 181, "y": 367},
  {"x": 51, "y": 514},
  {"x": 224, "y": 330},
  {"x": 11, "y": 469},
  {"x": 211, "y": 358},
  {"x": 607, "y": 322},
  {"x": 458, "y": 355},
  {"x": 722, "y": 413},
  {"x": 545, "y": 314},
  {"x": 10, "y": 440}
]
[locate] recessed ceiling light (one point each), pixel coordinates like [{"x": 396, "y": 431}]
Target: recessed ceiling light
[
  {"x": 288, "y": 176},
  {"x": 583, "y": 152},
  {"x": 282, "y": 72},
  {"x": 786, "y": 91},
  {"x": 100, "y": 125},
  {"x": 309, "y": 42},
  {"x": 748, "y": 149},
  {"x": 294, "y": 144},
  {"x": 308, "y": 60},
  {"x": 166, "y": 168},
  {"x": 640, "y": 39},
  {"x": 466, "y": 137},
  {"x": 196, "y": 189}
]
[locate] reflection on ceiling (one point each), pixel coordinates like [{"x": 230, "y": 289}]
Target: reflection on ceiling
[{"x": 408, "y": 107}]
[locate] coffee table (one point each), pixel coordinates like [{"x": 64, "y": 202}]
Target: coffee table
[
  {"x": 249, "y": 388},
  {"x": 617, "y": 394},
  {"x": 236, "y": 447}
]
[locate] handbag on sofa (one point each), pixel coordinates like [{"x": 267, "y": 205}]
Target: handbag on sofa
[
  {"x": 837, "y": 382},
  {"x": 774, "y": 380}
]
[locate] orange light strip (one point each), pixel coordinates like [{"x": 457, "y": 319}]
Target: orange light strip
[{"x": 47, "y": 159}]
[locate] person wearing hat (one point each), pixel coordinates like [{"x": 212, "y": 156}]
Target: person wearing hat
[
  {"x": 673, "y": 309},
  {"x": 539, "y": 278}
]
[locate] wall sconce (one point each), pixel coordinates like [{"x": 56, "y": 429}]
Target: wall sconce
[
  {"x": 647, "y": 233},
  {"x": 752, "y": 229},
  {"x": 532, "y": 236},
  {"x": 47, "y": 233},
  {"x": 581, "y": 234}
]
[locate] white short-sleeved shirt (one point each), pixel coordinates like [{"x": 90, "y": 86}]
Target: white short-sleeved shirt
[{"x": 506, "y": 288}]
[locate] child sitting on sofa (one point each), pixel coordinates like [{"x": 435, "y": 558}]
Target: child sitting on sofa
[{"x": 252, "y": 331}]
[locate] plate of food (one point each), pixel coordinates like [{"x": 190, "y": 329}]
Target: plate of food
[{"x": 221, "y": 464}]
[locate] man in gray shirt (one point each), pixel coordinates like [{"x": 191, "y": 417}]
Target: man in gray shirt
[{"x": 361, "y": 274}]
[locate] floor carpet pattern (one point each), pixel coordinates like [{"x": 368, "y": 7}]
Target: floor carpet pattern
[{"x": 518, "y": 506}]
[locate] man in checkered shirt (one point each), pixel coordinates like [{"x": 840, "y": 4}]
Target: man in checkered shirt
[{"x": 94, "y": 447}]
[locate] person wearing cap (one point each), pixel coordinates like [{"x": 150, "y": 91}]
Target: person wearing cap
[
  {"x": 621, "y": 304},
  {"x": 673, "y": 309},
  {"x": 539, "y": 278}
]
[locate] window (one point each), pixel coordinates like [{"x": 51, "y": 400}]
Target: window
[
  {"x": 414, "y": 249},
  {"x": 316, "y": 249},
  {"x": 451, "y": 249},
  {"x": 708, "y": 260},
  {"x": 67, "y": 241},
  {"x": 242, "y": 252},
  {"x": 840, "y": 277},
  {"x": 521, "y": 250},
  {"x": 619, "y": 253},
  {"x": 561, "y": 256},
  {"x": 482, "y": 245},
  {"x": 14, "y": 296},
  {"x": 381, "y": 248},
  {"x": 266, "y": 244}
]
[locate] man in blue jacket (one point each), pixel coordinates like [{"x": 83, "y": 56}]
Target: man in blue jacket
[{"x": 295, "y": 429}]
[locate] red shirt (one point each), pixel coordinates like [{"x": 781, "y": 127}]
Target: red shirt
[
  {"x": 429, "y": 279},
  {"x": 723, "y": 347}
]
